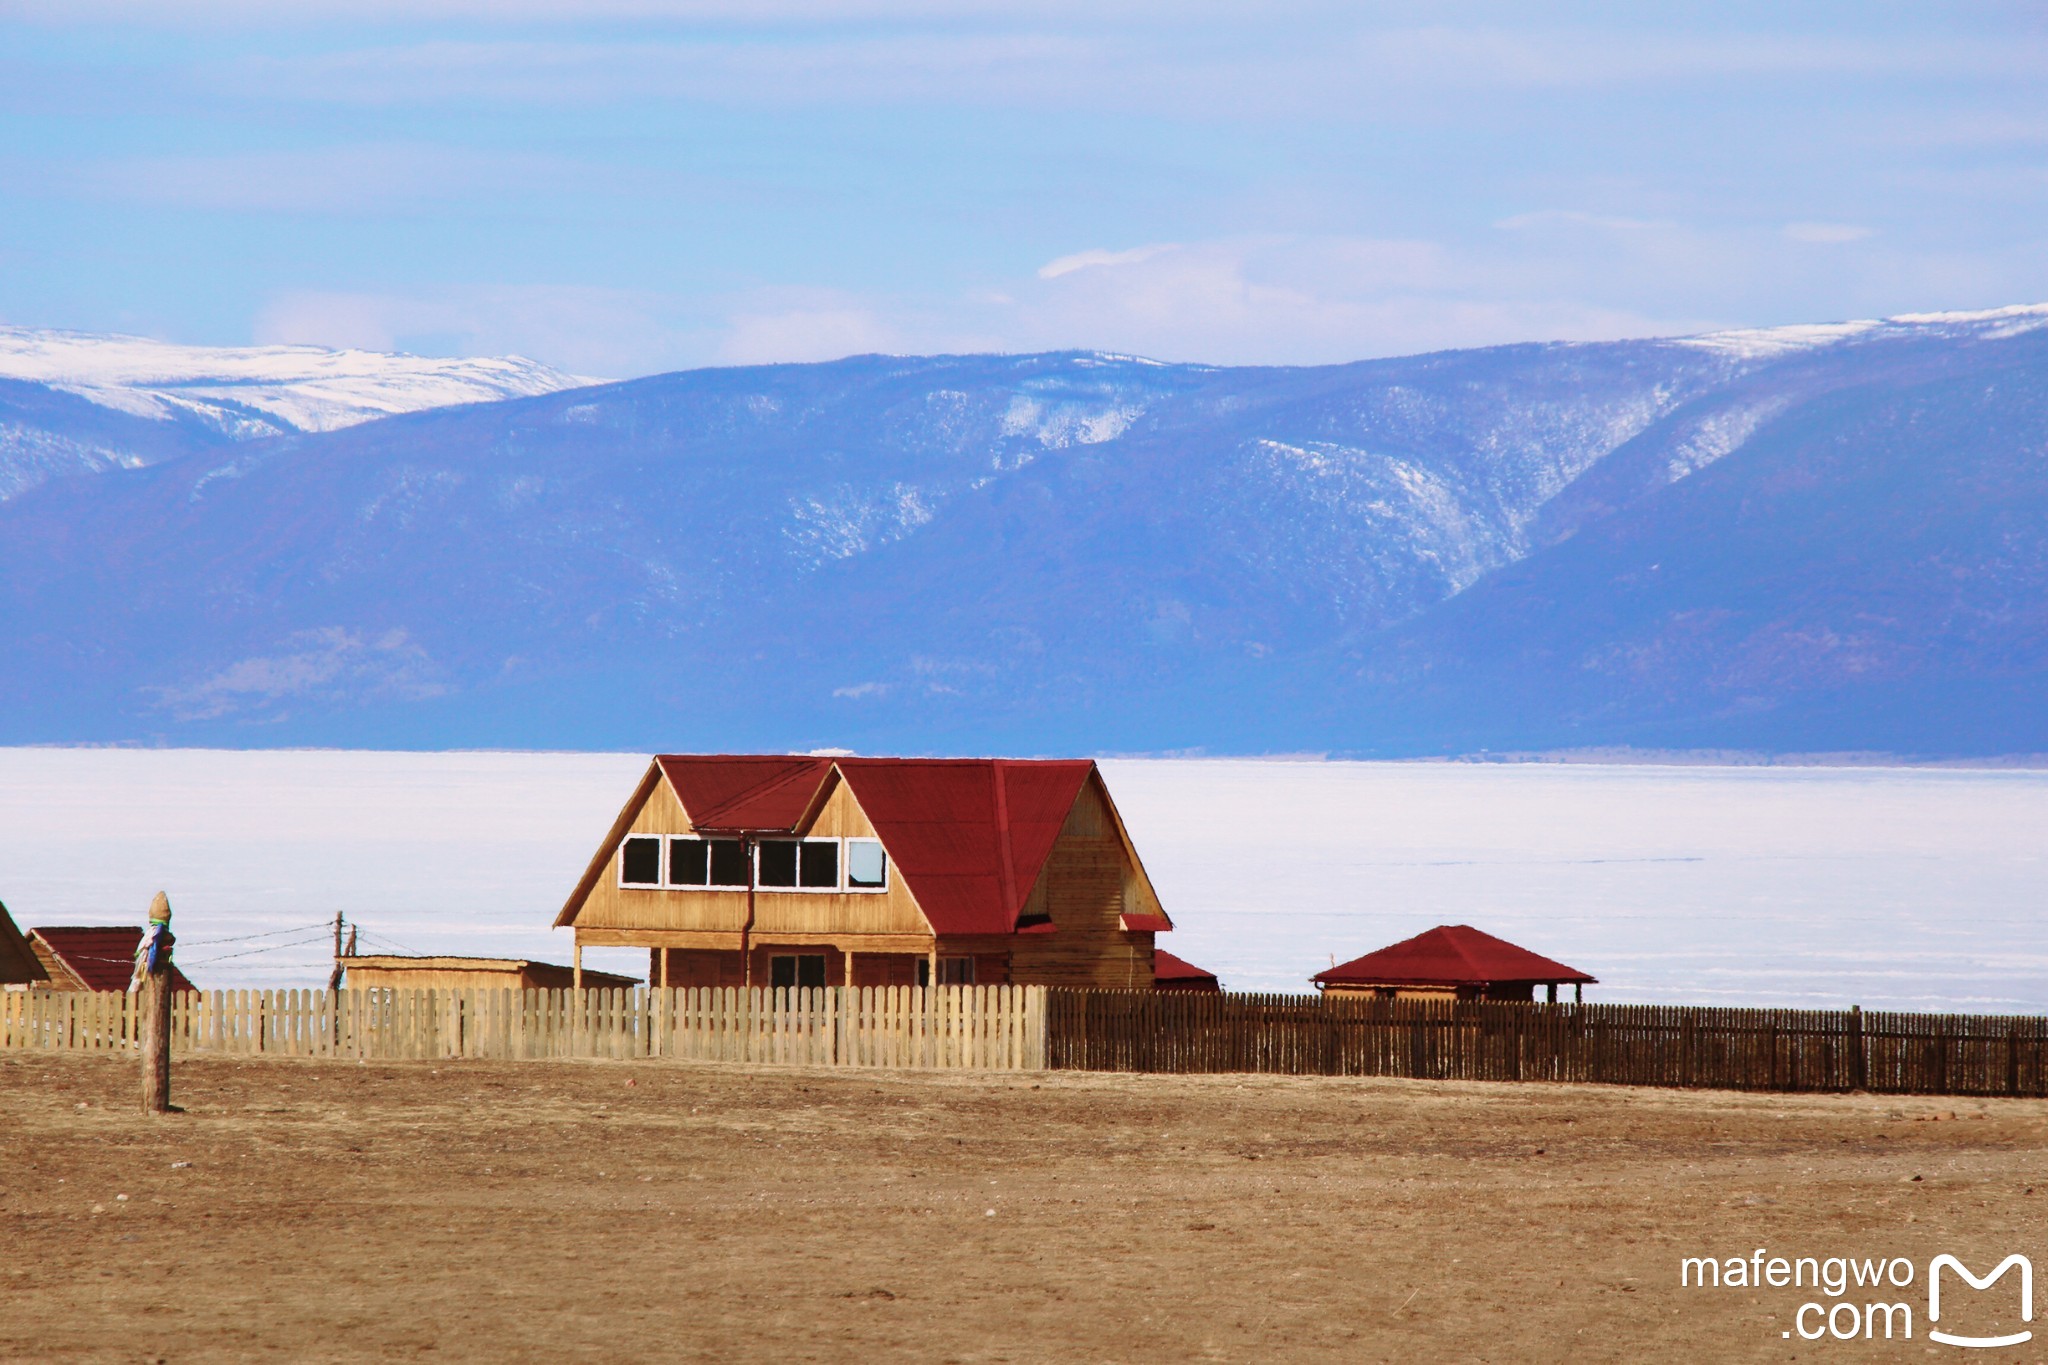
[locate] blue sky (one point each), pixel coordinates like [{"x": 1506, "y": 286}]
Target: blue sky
[{"x": 624, "y": 186}]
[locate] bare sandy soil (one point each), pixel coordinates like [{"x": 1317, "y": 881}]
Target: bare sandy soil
[{"x": 549, "y": 1211}]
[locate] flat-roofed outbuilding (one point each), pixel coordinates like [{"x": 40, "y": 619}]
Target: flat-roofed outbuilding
[{"x": 392, "y": 971}]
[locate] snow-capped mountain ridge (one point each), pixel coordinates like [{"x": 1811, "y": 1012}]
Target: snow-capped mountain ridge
[
  {"x": 1764, "y": 343},
  {"x": 255, "y": 391}
]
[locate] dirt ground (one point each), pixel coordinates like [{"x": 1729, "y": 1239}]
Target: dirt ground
[{"x": 550, "y": 1211}]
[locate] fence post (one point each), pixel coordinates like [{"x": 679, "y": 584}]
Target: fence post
[{"x": 1859, "y": 1055}]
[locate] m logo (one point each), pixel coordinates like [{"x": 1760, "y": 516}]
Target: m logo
[{"x": 2026, "y": 1268}]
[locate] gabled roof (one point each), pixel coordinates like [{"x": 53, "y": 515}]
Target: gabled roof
[
  {"x": 1450, "y": 955},
  {"x": 101, "y": 957},
  {"x": 744, "y": 792},
  {"x": 969, "y": 836},
  {"x": 18, "y": 964}
]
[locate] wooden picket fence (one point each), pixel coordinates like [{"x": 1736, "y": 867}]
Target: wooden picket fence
[
  {"x": 1031, "y": 1027},
  {"x": 984, "y": 1027},
  {"x": 1683, "y": 1046}
]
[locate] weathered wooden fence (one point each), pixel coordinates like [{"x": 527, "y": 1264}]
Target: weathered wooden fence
[
  {"x": 988, "y": 1027},
  {"x": 1729, "y": 1049},
  {"x": 1029, "y": 1027}
]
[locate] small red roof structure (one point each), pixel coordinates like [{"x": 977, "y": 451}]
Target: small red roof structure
[
  {"x": 1451, "y": 960},
  {"x": 1170, "y": 973},
  {"x": 93, "y": 957}
]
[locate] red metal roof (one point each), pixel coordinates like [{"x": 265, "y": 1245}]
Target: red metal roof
[
  {"x": 744, "y": 792},
  {"x": 968, "y": 835},
  {"x": 102, "y": 956},
  {"x": 1451, "y": 955},
  {"x": 1167, "y": 967}
]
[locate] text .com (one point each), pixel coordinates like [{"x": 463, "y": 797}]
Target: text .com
[{"x": 1871, "y": 1297}]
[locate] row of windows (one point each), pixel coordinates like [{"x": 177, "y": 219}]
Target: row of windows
[
  {"x": 806, "y": 971},
  {"x": 686, "y": 861}
]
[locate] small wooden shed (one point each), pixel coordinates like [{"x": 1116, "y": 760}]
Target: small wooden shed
[
  {"x": 380, "y": 970},
  {"x": 19, "y": 966},
  {"x": 92, "y": 957},
  {"x": 1170, "y": 973},
  {"x": 1450, "y": 962}
]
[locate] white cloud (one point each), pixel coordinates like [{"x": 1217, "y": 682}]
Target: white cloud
[
  {"x": 1266, "y": 299},
  {"x": 1325, "y": 63},
  {"x": 1083, "y": 260},
  {"x": 794, "y": 326},
  {"x": 1575, "y": 220},
  {"x": 329, "y": 664},
  {"x": 1299, "y": 300},
  {"x": 589, "y": 331},
  {"x": 187, "y": 14},
  {"x": 1826, "y": 234},
  {"x": 346, "y": 179}
]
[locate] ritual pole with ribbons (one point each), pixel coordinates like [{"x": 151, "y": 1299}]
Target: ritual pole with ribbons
[{"x": 151, "y": 986}]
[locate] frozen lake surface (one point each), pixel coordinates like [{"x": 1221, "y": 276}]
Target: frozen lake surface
[{"x": 1816, "y": 887}]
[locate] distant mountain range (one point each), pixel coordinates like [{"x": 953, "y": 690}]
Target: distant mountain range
[
  {"x": 1826, "y": 537},
  {"x": 158, "y": 400}
]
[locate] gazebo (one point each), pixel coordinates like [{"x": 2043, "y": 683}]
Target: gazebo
[
  {"x": 1451, "y": 962},
  {"x": 1170, "y": 973}
]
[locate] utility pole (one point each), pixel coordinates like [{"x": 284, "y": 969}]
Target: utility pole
[
  {"x": 151, "y": 985},
  {"x": 334, "y": 977}
]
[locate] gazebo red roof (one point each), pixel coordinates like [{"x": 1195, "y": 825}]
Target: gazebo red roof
[
  {"x": 1167, "y": 967},
  {"x": 1451, "y": 955}
]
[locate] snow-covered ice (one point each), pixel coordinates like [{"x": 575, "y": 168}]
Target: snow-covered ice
[{"x": 1894, "y": 888}]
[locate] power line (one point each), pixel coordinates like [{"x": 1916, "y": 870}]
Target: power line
[
  {"x": 251, "y": 952},
  {"x": 388, "y": 941},
  {"x": 244, "y": 938}
]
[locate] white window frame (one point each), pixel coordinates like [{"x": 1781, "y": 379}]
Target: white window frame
[
  {"x": 839, "y": 866},
  {"x": 842, "y": 888},
  {"x": 660, "y": 881},
  {"x": 846, "y": 866},
  {"x": 694, "y": 886}
]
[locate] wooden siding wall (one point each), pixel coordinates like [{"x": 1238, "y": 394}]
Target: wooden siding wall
[
  {"x": 1085, "y": 888},
  {"x": 611, "y": 906}
]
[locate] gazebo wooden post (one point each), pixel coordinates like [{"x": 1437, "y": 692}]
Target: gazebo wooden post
[{"x": 152, "y": 986}]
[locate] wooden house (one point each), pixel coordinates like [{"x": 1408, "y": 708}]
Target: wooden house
[
  {"x": 93, "y": 957},
  {"x": 1170, "y": 973},
  {"x": 1450, "y": 962},
  {"x": 812, "y": 871},
  {"x": 372, "y": 971},
  {"x": 19, "y": 965}
]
